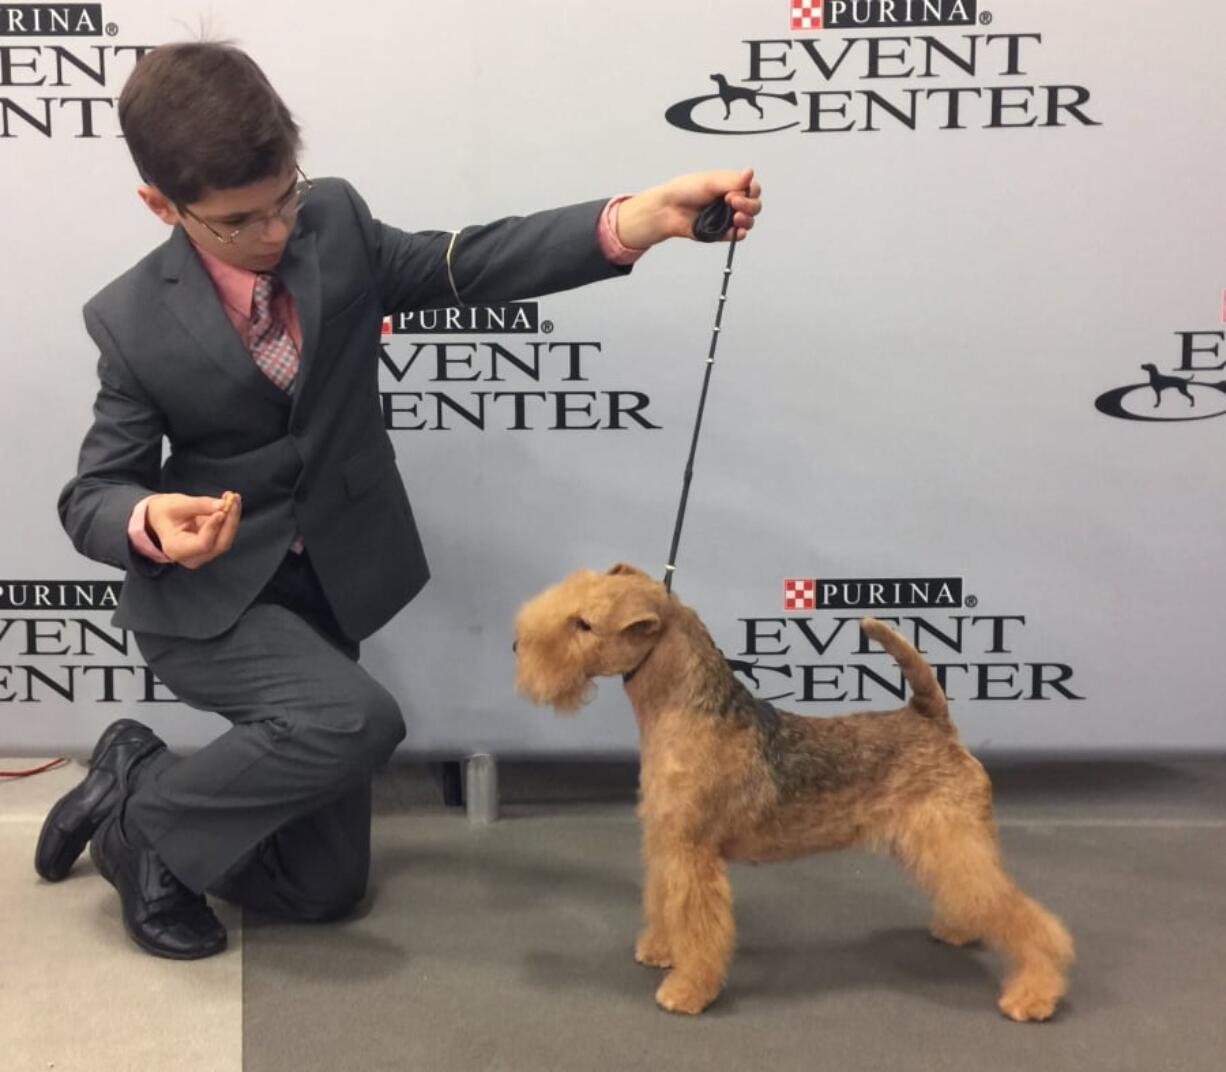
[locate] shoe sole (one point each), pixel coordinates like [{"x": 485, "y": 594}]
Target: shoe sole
[
  {"x": 71, "y": 848},
  {"x": 154, "y": 951},
  {"x": 75, "y": 842}
]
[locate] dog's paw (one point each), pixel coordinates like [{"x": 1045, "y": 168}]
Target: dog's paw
[
  {"x": 652, "y": 952},
  {"x": 1023, "y": 1002},
  {"x": 679, "y": 994},
  {"x": 950, "y": 935}
]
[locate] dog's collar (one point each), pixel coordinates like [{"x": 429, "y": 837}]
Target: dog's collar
[{"x": 629, "y": 675}]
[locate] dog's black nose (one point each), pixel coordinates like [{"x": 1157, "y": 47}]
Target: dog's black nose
[{"x": 514, "y": 646}]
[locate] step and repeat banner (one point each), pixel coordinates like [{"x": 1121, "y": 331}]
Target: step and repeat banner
[{"x": 971, "y": 378}]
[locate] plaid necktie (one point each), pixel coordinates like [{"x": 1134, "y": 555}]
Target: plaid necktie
[{"x": 268, "y": 339}]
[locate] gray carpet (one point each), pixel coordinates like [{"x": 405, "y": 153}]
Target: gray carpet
[{"x": 509, "y": 947}]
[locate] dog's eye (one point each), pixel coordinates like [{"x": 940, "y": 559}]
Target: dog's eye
[{"x": 583, "y": 625}]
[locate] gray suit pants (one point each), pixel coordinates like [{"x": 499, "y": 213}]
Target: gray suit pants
[{"x": 275, "y": 813}]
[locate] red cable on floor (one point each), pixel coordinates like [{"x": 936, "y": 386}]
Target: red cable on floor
[{"x": 33, "y": 770}]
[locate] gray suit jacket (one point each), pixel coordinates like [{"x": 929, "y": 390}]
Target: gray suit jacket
[{"x": 320, "y": 463}]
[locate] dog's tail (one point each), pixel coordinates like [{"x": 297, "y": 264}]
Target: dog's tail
[{"x": 927, "y": 696}]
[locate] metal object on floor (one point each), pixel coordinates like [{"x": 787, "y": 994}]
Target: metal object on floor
[{"x": 481, "y": 789}]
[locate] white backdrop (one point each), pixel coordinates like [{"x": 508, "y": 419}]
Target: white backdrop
[{"x": 915, "y": 338}]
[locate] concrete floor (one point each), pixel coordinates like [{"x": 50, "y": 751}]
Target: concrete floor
[
  {"x": 75, "y": 994},
  {"x": 509, "y": 947}
]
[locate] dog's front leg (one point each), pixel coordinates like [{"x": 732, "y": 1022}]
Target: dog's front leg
[
  {"x": 697, "y": 903},
  {"x": 652, "y": 947}
]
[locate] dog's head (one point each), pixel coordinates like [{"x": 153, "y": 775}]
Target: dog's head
[{"x": 586, "y": 626}]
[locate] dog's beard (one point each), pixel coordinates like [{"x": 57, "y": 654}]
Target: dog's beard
[
  {"x": 570, "y": 702},
  {"x": 565, "y": 696}
]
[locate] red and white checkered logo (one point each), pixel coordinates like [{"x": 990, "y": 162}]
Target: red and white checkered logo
[
  {"x": 799, "y": 594},
  {"x": 387, "y": 325},
  {"x": 806, "y": 14}
]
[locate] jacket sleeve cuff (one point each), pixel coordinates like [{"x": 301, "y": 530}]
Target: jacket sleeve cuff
[
  {"x": 138, "y": 536},
  {"x": 606, "y": 233}
]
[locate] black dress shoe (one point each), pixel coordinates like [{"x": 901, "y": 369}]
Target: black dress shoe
[
  {"x": 76, "y": 815},
  {"x": 160, "y": 914}
]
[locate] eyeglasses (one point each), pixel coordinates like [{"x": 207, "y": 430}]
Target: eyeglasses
[{"x": 286, "y": 209}]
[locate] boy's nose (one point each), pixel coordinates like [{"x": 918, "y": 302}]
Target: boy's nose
[{"x": 276, "y": 228}]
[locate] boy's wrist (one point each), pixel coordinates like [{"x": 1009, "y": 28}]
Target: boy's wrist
[
  {"x": 141, "y": 535},
  {"x": 639, "y": 224}
]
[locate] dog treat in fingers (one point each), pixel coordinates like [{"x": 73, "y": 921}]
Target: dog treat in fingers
[{"x": 228, "y": 499}]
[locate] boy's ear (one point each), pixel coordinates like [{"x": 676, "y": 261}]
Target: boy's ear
[{"x": 158, "y": 203}]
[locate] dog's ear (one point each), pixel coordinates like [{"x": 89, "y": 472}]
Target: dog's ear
[
  {"x": 641, "y": 625},
  {"x": 622, "y": 569}
]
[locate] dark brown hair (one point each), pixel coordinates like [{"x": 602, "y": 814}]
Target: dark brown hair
[{"x": 201, "y": 116}]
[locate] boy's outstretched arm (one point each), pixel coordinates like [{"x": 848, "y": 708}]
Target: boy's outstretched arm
[{"x": 527, "y": 256}]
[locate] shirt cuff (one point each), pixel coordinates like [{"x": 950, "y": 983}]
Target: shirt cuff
[
  {"x": 606, "y": 233},
  {"x": 138, "y": 536}
]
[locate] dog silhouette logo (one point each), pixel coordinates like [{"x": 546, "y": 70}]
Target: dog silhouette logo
[
  {"x": 729, "y": 95},
  {"x": 1164, "y": 397},
  {"x": 735, "y": 102}
]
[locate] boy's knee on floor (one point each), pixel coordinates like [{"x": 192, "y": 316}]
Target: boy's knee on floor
[
  {"x": 331, "y": 911},
  {"x": 334, "y": 900},
  {"x": 321, "y": 900}
]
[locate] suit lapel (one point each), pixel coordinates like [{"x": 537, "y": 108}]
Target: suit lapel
[
  {"x": 190, "y": 295},
  {"x": 299, "y": 271}
]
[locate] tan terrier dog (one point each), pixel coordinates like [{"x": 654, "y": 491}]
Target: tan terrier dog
[{"x": 725, "y": 776}]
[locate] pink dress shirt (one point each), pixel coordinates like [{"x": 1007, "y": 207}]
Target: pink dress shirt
[{"x": 234, "y": 287}]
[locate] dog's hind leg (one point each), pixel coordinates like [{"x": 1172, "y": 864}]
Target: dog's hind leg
[
  {"x": 954, "y": 856},
  {"x": 697, "y": 902}
]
